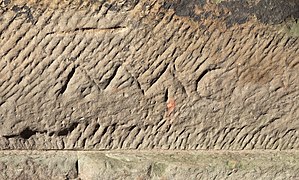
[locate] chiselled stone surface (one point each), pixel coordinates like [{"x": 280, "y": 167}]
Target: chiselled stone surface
[
  {"x": 138, "y": 74},
  {"x": 142, "y": 165}
]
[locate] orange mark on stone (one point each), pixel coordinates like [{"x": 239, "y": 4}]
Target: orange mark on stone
[{"x": 170, "y": 106}]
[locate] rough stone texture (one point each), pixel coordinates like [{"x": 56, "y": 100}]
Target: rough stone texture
[
  {"x": 142, "y": 165},
  {"x": 188, "y": 165},
  {"x": 149, "y": 75},
  {"x": 139, "y": 75},
  {"x": 39, "y": 165}
]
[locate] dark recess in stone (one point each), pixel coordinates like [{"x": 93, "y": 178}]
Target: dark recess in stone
[
  {"x": 184, "y": 7},
  {"x": 4, "y": 4},
  {"x": 116, "y": 6},
  {"x": 66, "y": 131},
  {"x": 69, "y": 77},
  {"x": 266, "y": 11},
  {"x": 77, "y": 168},
  {"x": 25, "y": 134},
  {"x": 19, "y": 10}
]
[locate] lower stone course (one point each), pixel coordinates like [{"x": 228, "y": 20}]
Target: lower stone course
[{"x": 141, "y": 165}]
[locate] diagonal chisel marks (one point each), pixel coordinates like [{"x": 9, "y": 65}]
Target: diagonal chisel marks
[
  {"x": 26, "y": 51},
  {"x": 109, "y": 76},
  {"x": 158, "y": 67},
  {"x": 157, "y": 74},
  {"x": 101, "y": 55},
  {"x": 135, "y": 80},
  {"x": 26, "y": 61},
  {"x": 151, "y": 45},
  {"x": 89, "y": 80},
  {"x": 24, "y": 37},
  {"x": 80, "y": 52},
  {"x": 7, "y": 19},
  {"x": 234, "y": 107},
  {"x": 9, "y": 41}
]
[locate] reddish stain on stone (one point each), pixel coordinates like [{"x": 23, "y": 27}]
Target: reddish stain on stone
[{"x": 170, "y": 106}]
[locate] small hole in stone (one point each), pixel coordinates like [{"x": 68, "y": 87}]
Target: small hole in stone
[{"x": 27, "y": 133}]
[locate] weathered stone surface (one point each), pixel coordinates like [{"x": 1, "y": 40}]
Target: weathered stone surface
[
  {"x": 139, "y": 75},
  {"x": 38, "y": 165},
  {"x": 141, "y": 165}
]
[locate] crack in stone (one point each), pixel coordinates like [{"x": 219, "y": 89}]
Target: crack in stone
[{"x": 88, "y": 30}]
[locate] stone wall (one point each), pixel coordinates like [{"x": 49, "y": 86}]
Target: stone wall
[{"x": 159, "y": 76}]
